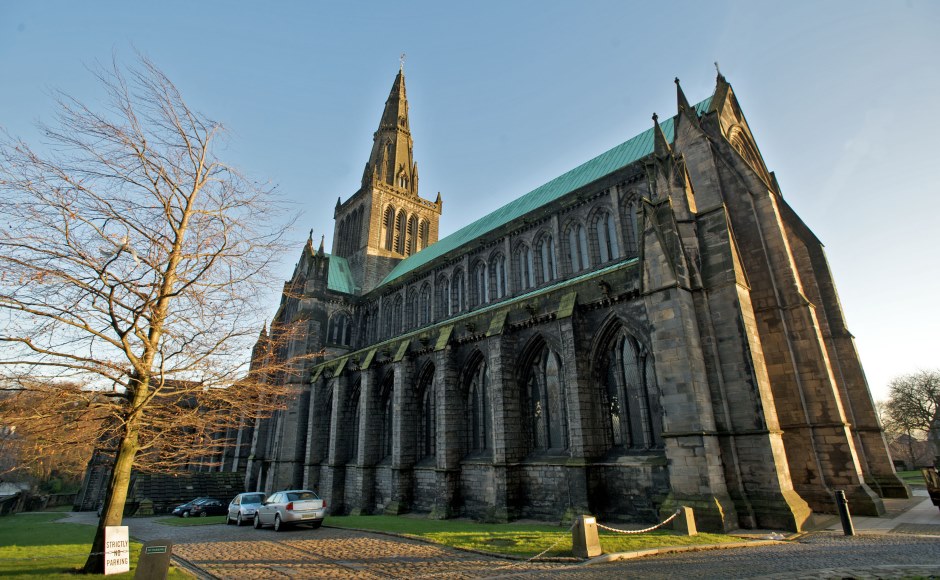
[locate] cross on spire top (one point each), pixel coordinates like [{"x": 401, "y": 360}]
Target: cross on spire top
[{"x": 401, "y": 62}]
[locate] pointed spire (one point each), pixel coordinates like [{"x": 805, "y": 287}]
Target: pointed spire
[
  {"x": 661, "y": 144},
  {"x": 438, "y": 200},
  {"x": 685, "y": 109},
  {"x": 264, "y": 329},
  {"x": 310, "y": 238},
  {"x": 392, "y": 144},
  {"x": 320, "y": 251}
]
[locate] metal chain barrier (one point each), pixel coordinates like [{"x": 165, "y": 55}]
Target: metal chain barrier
[
  {"x": 643, "y": 531},
  {"x": 56, "y": 557}
]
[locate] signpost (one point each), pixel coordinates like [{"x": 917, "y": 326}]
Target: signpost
[{"x": 117, "y": 550}]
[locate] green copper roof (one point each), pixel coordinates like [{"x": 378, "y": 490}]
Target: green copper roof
[
  {"x": 604, "y": 164},
  {"x": 340, "y": 277}
]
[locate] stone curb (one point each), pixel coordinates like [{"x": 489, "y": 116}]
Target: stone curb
[{"x": 678, "y": 549}]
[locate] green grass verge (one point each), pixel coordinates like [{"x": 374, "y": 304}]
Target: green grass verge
[
  {"x": 184, "y": 522},
  {"x": 34, "y": 545},
  {"x": 523, "y": 540},
  {"x": 915, "y": 478}
]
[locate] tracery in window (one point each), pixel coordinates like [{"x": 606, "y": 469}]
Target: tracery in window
[
  {"x": 578, "y": 248},
  {"x": 606, "y": 232},
  {"x": 525, "y": 267},
  {"x": 427, "y": 414},
  {"x": 479, "y": 288},
  {"x": 498, "y": 274},
  {"x": 424, "y": 306},
  {"x": 458, "y": 303},
  {"x": 548, "y": 268},
  {"x": 389, "y": 227},
  {"x": 479, "y": 418},
  {"x": 547, "y": 415},
  {"x": 629, "y": 399},
  {"x": 387, "y": 406}
]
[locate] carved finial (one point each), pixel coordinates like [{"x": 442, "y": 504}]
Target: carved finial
[
  {"x": 310, "y": 237},
  {"x": 655, "y": 118},
  {"x": 677, "y": 80},
  {"x": 717, "y": 70},
  {"x": 401, "y": 63}
]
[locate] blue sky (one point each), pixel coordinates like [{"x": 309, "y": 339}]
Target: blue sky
[{"x": 841, "y": 96}]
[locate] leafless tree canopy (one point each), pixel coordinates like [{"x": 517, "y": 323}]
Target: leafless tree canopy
[
  {"x": 131, "y": 262},
  {"x": 912, "y": 403}
]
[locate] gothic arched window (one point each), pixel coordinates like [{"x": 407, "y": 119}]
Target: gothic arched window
[
  {"x": 525, "y": 266},
  {"x": 629, "y": 399},
  {"x": 400, "y": 225},
  {"x": 498, "y": 275},
  {"x": 443, "y": 297},
  {"x": 605, "y": 231},
  {"x": 388, "y": 223},
  {"x": 629, "y": 221},
  {"x": 479, "y": 289},
  {"x": 352, "y": 415},
  {"x": 396, "y": 318},
  {"x": 458, "y": 300},
  {"x": 547, "y": 412},
  {"x": 427, "y": 415},
  {"x": 411, "y": 246},
  {"x": 339, "y": 330},
  {"x": 577, "y": 248},
  {"x": 479, "y": 418},
  {"x": 548, "y": 268},
  {"x": 424, "y": 306},
  {"x": 387, "y": 406},
  {"x": 425, "y": 234}
]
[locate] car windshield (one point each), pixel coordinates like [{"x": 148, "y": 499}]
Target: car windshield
[
  {"x": 301, "y": 495},
  {"x": 255, "y": 498}
]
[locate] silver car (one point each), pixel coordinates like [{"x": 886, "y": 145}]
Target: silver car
[
  {"x": 289, "y": 508},
  {"x": 242, "y": 509}
]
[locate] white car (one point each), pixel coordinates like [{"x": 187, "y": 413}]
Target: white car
[
  {"x": 289, "y": 508},
  {"x": 243, "y": 508}
]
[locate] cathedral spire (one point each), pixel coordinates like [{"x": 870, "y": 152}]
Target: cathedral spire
[{"x": 391, "y": 160}]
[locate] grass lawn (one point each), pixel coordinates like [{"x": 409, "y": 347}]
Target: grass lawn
[
  {"x": 32, "y": 545},
  {"x": 181, "y": 522},
  {"x": 524, "y": 540},
  {"x": 915, "y": 478}
]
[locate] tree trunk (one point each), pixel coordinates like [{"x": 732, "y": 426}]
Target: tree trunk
[{"x": 112, "y": 513}]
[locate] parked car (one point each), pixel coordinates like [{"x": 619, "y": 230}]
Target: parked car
[
  {"x": 243, "y": 508},
  {"x": 183, "y": 510},
  {"x": 289, "y": 508},
  {"x": 209, "y": 507}
]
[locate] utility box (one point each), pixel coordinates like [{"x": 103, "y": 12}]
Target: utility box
[{"x": 584, "y": 540}]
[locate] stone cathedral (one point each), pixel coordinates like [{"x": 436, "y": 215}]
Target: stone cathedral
[{"x": 654, "y": 327}]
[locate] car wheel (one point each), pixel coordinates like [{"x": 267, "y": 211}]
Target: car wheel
[
  {"x": 257, "y": 522},
  {"x": 238, "y": 519},
  {"x": 278, "y": 526},
  {"x": 185, "y": 514},
  {"x": 316, "y": 525},
  {"x": 228, "y": 520}
]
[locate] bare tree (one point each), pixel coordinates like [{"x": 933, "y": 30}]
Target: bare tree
[
  {"x": 131, "y": 263},
  {"x": 911, "y": 406}
]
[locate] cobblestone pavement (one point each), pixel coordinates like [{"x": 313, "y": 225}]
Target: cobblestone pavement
[{"x": 243, "y": 552}]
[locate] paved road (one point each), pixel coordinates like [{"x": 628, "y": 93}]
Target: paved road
[{"x": 242, "y": 552}]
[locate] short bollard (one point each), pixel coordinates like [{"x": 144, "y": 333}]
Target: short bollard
[
  {"x": 685, "y": 522},
  {"x": 154, "y": 561},
  {"x": 584, "y": 540},
  {"x": 844, "y": 513}
]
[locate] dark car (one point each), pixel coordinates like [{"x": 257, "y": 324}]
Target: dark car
[
  {"x": 209, "y": 507},
  {"x": 184, "y": 510}
]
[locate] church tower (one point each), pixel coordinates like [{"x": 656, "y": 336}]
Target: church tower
[{"x": 385, "y": 220}]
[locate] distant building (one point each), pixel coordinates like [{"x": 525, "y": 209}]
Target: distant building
[{"x": 652, "y": 328}]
